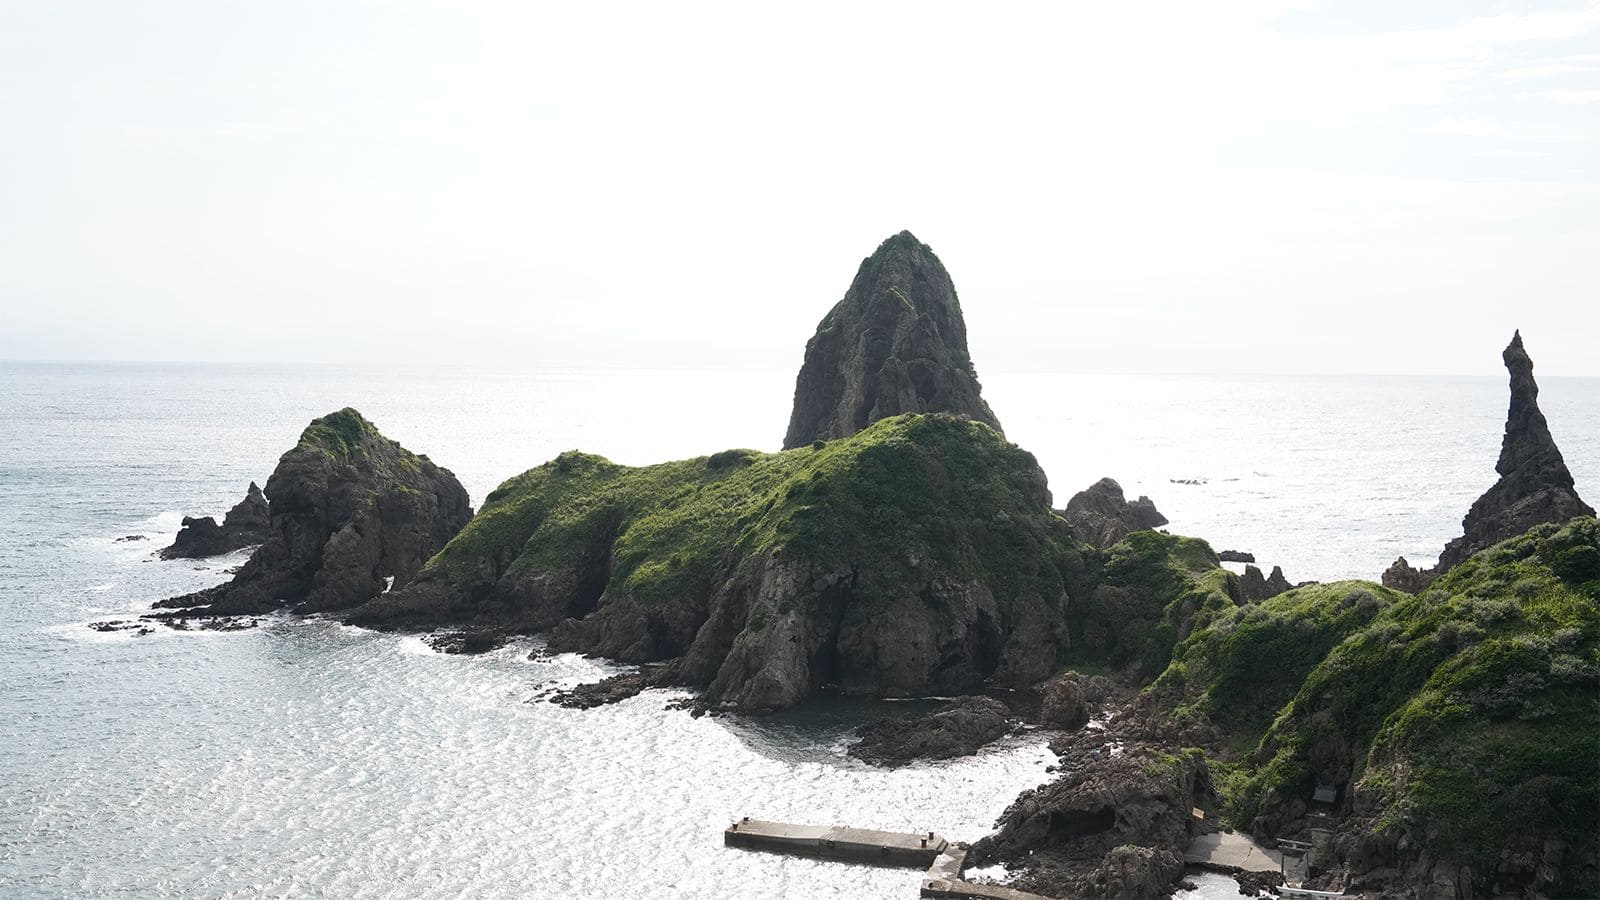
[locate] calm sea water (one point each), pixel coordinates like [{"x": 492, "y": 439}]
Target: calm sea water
[{"x": 307, "y": 759}]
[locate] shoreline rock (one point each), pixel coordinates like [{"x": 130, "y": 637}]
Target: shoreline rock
[
  {"x": 247, "y": 523},
  {"x": 350, "y": 510},
  {"x": 959, "y": 727}
]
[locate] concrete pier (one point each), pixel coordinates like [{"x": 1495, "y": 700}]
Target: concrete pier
[
  {"x": 864, "y": 845},
  {"x": 944, "y": 880}
]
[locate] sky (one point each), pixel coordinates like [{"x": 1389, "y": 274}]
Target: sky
[{"x": 1274, "y": 187}]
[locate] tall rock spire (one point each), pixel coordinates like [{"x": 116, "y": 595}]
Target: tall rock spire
[
  {"x": 895, "y": 344},
  {"x": 1534, "y": 486}
]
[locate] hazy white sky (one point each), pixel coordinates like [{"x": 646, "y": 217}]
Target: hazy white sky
[{"x": 1259, "y": 186}]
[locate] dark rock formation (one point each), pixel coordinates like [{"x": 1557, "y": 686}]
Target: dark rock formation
[
  {"x": 1115, "y": 823},
  {"x": 249, "y": 522},
  {"x": 1257, "y": 588},
  {"x": 895, "y": 344},
  {"x": 1100, "y": 516},
  {"x": 465, "y": 643},
  {"x": 1069, "y": 700},
  {"x": 605, "y": 691},
  {"x": 957, "y": 728},
  {"x": 1237, "y": 556},
  {"x": 1534, "y": 487},
  {"x": 1403, "y": 576},
  {"x": 350, "y": 510},
  {"x": 129, "y": 538}
]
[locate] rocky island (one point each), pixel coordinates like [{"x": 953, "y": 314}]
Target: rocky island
[{"x": 1441, "y": 744}]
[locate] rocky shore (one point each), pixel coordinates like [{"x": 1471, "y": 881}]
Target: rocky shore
[{"x": 1435, "y": 738}]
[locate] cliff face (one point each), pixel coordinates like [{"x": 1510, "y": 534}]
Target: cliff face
[
  {"x": 1534, "y": 487},
  {"x": 349, "y": 509},
  {"x": 918, "y": 556},
  {"x": 895, "y": 344}
]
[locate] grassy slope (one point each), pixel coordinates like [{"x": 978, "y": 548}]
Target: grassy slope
[
  {"x": 1470, "y": 714},
  {"x": 905, "y": 491}
]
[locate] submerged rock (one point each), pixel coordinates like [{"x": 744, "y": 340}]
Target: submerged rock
[
  {"x": 1534, "y": 487},
  {"x": 249, "y": 522},
  {"x": 957, "y": 728},
  {"x": 895, "y": 344},
  {"x": 350, "y": 509},
  {"x": 605, "y": 691},
  {"x": 465, "y": 643},
  {"x": 1100, "y": 516}
]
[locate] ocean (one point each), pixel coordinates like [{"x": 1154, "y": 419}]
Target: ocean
[{"x": 309, "y": 759}]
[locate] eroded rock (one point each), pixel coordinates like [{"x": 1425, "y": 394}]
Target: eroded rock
[
  {"x": 350, "y": 509},
  {"x": 957, "y": 728},
  {"x": 1535, "y": 486},
  {"x": 1100, "y": 516},
  {"x": 249, "y": 522},
  {"x": 895, "y": 344}
]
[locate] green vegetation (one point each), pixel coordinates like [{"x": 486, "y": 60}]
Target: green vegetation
[
  {"x": 1468, "y": 716},
  {"x": 906, "y": 497},
  {"x": 340, "y": 434},
  {"x": 1246, "y": 664},
  {"x": 1153, "y": 590}
]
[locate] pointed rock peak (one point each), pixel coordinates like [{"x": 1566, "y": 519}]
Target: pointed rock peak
[
  {"x": 896, "y": 343},
  {"x": 1535, "y": 486}
]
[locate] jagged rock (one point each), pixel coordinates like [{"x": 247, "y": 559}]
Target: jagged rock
[
  {"x": 247, "y": 523},
  {"x": 1237, "y": 556},
  {"x": 465, "y": 643},
  {"x": 957, "y": 728},
  {"x": 1534, "y": 487},
  {"x": 895, "y": 344},
  {"x": 1069, "y": 700},
  {"x": 605, "y": 691},
  {"x": 1106, "y": 823},
  {"x": 129, "y": 538},
  {"x": 1403, "y": 576},
  {"x": 1256, "y": 588},
  {"x": 1133, "y": 873},
  {"x": 350, "y": 509},
  {"x": 1100, "y": 516}
]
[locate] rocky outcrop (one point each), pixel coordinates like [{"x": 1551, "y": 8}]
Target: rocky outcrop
[
  {"x": 1403, "y": 576},
  {"x": 246, "y": 524},
  {"x": 1236, "y": 556},
  {"x": 1115, "y": 823},
  {"x": 1100, "y": 516},
  {"x": 895, "y": 344},
  {"x": 1535, "y": 486},
  {"x": 957, "y": 728},
  {"x": 1069, "y": 700},
  {"x": 1256, "y": 588},
  {"x": 350, "y": 512},
  {"x": 465, "y": 643},
  {"x": 870, "y": 565}
]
